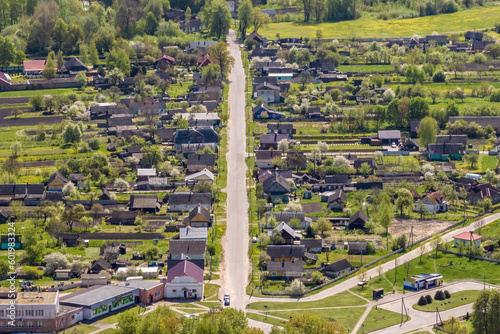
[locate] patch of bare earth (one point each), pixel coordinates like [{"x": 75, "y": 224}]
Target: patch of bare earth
[{"x": 421, "y": 228}]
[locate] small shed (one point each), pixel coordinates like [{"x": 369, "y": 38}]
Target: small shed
[
  {"x": 378, "y": 293},
  {"x": 62, "y": 274}
]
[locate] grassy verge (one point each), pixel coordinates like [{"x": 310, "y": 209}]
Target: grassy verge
[
  {"x": 380, "y": 318},
  {"x": 457, "y": 299},
  {"x": 82, "y": 328},
  {"x": 341, "y": 299},
  {"x": 348, "y": 316},
  {"x": 211, "y": 291},
  {"x": 268, "y": 320}
]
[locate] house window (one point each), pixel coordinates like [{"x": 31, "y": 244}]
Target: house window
[
  {"x": 29, "y": 324},
  {"x": 39, "y": 324},
  {"x": 157, "y": 294},
  {"x": 194, "y": 290},
  {"x": 194, "y": 224},
  {"x": 1, "y": 313},
  {"x": 72, "y": 317},
  {"x": 1, "y": 324},
  {"x": 20, "y": 324},
  {"x": 202, "y": 224},
  {"x": 174, "y": 290},
  {"x": 273, "y": 273}
]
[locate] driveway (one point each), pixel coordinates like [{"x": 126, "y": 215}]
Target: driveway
[{"x": 236, "y": 261}]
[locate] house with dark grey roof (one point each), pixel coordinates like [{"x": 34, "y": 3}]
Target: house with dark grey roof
[
  {"x": 264, "y": 158},
  {"x": 270, "y": 93},
  {"x": 313, "y": 245},
  {"x": 193, "y": 249},
  {"x": 286, "y": 252},
  {"x": 200, "y": 136},
  {"x": 415, "y": 123},
  {"x": 445, "y": 151},
  {"x": 437, "y": 39},
  {"x": 474, "y": 35},
  {"x": 285, "y": 269},
  {"x": 281, "y": 128},
  {"x": 288, "y": 234},
  {"x": 73, "y": 65},
  {"x": 198, "y": 217},
  {"x": 166, "y": 135},
  {"x": 358, "y": 221},
  {"x": 186, "y": 201},
  {"x": 337, "y": 268},
  {"x": 269, "y": 113},
  {"x": 483, "y": 121},
  {"x": 481, "y": 191},
  {"x": 122, "y": 217},
  {"x": 145, "y": 203},
  {"x": 198, "y": 162},
  {"x": 286, "y": 217},
  {"x": 271, "y": 140},
  {"x": 335, "y": 200},
  {"x": 276, "y": 187},
  {"x": 387, "y": 137}
]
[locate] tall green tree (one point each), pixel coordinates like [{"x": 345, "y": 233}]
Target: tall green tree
[
  {"x": 418, "y": 108},
  {"x": 50, "y": 69},
  {"x": 93, "y": 54},
  {"x": 427, "y": 131},
  {"x": 7, "y": 51},
  {"x": 245, "y": 16},
  {"x": 59, "y": 34},
  {"x": 216, "y": 17},
  {"x": 221, "y": 52},
  {"x": 486, "y": 312},
  {"x": 151, "y": 24}
]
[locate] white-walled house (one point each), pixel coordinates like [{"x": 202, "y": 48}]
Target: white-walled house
[
  {"x": 184, "y": 280},
  {"x": 433, "y": 202}
]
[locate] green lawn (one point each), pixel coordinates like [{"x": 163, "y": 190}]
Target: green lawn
[
  {"x": 114, "y": 318},
  {"x": 263, "y": 318},
  {"x": 456, "y": 300},
  {"x": 366, "y": 68},
  {"x": 29, "y": 93},
  {"x": 488, "y": 162},
  {"x": 348, "y": 316},
  {"x": 342, "y": 299},
  {"x": 380, "y": 318},
  {"x": 368, "y": 26},
  {"x": 108, "y": 331},
  {"x": 82, "y": 329},
  {"x": 211, "y": 291}
]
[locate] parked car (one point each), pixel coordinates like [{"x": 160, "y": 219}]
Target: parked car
[
  {"x": 226, "y": 299},
  {"x": 393, "y": 145}
]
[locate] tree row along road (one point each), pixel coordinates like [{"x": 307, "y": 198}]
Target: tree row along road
[
  {"x": 236, "y": 262},
  {"x": 347, "y": 284}
]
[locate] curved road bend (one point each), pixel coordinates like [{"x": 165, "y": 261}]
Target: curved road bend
[{"x": 236, "y": 260}]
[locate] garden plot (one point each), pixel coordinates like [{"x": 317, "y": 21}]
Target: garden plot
[{"x": 421, "y": 228}]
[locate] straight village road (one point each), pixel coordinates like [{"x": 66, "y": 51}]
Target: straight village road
[{"x": 236, "y": 259}]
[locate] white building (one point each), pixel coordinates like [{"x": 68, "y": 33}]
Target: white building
[{"x": 184, "y": 280}]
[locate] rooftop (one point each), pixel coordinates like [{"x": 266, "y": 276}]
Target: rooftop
[
  {"x": 96, "y": 294},
  {"x": 33, "y": 298}
]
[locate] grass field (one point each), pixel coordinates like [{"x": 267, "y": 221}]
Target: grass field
[
  {"x": 348, "y": 316},
  {"x": 341, "y": 299},
  {"x": 29, "y": 93},
  {"x": 82, "y": 328},
  {"x": 457, "y": 299},
  {"x": 367, "y": 68},
  {"x": 263, "y": 318},
  {"x": 368, "y": 26},
  {"x": 380, "y": 318},
  {"x": 108, "y": 331}
]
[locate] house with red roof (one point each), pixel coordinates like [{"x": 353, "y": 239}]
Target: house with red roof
[
  {"x": 34, "y": 67},
  {"x": 164, "y": 62},
  {"x": 466, "y": 239},
  {"x": 433, "y": 202},
  {"x": 4, "y": 79},
  {"x": 205, "y": 60},
  {"x": 184, "y": 280}
]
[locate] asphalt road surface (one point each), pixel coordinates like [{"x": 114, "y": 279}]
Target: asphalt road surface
[{"x": 236, "y": 241}]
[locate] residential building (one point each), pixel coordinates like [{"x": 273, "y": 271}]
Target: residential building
[
  {"x": 270, "y": 93},
  {"x": 193, "y": 233},
  {"x": 263, "y": 111},
  {"x": 186, "y": 201},
  {"x": 387, "y": 137},
  {"x": 287, "y": 270},
  {"x": 202, "y": 176},
  {"x": 5, "y": 79},
  {"x": 145, "y": 203},
  {"x": 358, "y": 221},
  {"x": 164, "y": 62},
  {"x": 56, "y": 182},
  {"x": 198, "y": 217},
  {"x": 33, "y": 67},
  {"x": 38, "y": 312},
  {"x": 483, "y": 121},
  {"x": 198, "y": 162},
  {"x": 271, "y": 140},
  {"x": 313, "y": 245},
  {"x": 192, "y": 249},
  {"x": 434, "y": 202},
  {"x": 288, "y": 235},
  {"x": 195, "y": 136},
  {"x": 336, "y": 200},
  {"x": 73, "y": 66},
  {"x": 280, "y": 253},
  {"x": 467, "y": 239},
  {"x": 286, "y": 217},
  {"x": 281, "y": 128},
  {"x": 143, "y": 174},
  {"x": 184, "y": 280},
  {"x": 337, "y": 268},
  {"x": 264, "y": 158},
  {"x": 445, "y": 151},
  {"x": 277, "y": 188}
]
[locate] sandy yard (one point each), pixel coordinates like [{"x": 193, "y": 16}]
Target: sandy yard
[{"x": 421, "y": 228}]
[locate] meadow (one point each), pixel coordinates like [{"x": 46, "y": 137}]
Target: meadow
[{"x": 369, "y": 27}]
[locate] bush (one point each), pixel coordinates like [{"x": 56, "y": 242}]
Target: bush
[
  {"x": 447, "y": 294},
  {"x": 422, "y": 301},
  {"x": 428, "y": 298},
  {"x": 439, "y": 295}
]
